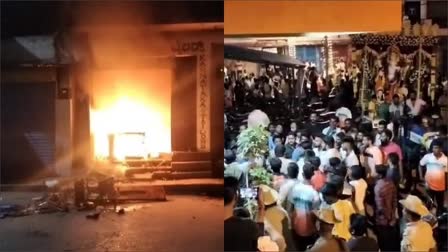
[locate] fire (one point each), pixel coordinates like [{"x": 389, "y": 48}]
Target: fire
[{"x": 133, "y": 115}]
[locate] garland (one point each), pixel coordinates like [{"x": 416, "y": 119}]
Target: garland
[{"x": 400, "y": 40}]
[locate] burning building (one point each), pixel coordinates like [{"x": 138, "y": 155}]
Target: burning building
[{"x": 142, "y": 93}]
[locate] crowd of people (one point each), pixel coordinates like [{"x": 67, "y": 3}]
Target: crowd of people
[{"x": 341, "y": 185}]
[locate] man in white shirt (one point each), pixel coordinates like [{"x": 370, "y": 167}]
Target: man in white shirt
[
  {"x": 351, "y": 159},
  {"x": 382, "y": 125},
  {"x": 333, "y": 128},
  {"x": 329, "y": 151},
  {"x": 285, "y": 188},
  {"x": 435, "y": 177},
  {"x": 371, "y": 155},
  {"x": 318, "y": 144},
  {"x": 415, "y": 105}
]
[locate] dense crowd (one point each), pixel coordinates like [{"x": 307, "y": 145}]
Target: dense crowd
[{"x": 351, "y": 182}]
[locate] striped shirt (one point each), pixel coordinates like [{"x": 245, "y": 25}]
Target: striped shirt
[{"x": 386, "y": 202}]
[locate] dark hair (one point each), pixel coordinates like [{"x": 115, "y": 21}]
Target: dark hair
[
  {"x": 381, "y": 170},
  {"x": 319, "y": 135},
  {"x": 231, "y": 185},
  {"x": 396, "y": 96},
  {"x": 437, "y": 142},
  {"x": 308, "y": 171},
  {"x": 315, "y": 161},
  {"x": 394, "y": 158},
  {"x": 279, "y": 150},
  {"x": 349, "y": 139},
  {"x": 229, "y": 156},
  {"x": 340, "y": 170},
  {"x": 329, "y": 141},
  {"x": 382, "y": 122},
  {"x": 341, "y": 135},
  {"x": 291, "y": 134},
  {"x": 357, "y": 172},
  {"x": 335, "y": 118},
  {"x": 277, "y": 136},
  {"x": 306, "y": 145},
  {"x": 293, "y": 170},
  {"x": 305, "y": 133},
  {"x": 370, "y": 137},
  {"x": 358, "y": 224},
  {"x": 388, "y": 134},
  {"x": 308, "y": 154},
  {"x": 414, "y": 216},
  {"x": 337, "y": 181},
  {"x": 329, "y": 189},
  {"x": 276, "y": 164},
  {"x": 334, "y": 161}
]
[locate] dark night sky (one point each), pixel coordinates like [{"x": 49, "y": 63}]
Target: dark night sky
[{"x": 45, "y": 17}]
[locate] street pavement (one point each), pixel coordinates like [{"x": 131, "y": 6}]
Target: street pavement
[{"x": 183, "y": 223}]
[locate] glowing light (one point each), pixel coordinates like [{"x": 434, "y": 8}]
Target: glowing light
[{"x": 133, "y": 115}]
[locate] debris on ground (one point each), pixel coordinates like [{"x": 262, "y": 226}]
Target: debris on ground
[
  {"x": 120, "y": 212},
  {"x": 93, "y": 216}
]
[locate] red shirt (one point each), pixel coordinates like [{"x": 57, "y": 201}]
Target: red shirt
[
  {"x": 318, "y": 180},
  {"x": 392, "y": 148}
]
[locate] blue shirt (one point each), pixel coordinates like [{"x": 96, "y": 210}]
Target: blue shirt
[{"x": 297, "y": 153}]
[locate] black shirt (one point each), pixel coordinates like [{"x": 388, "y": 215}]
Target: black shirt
[
  {"x": 363, "y": 244},
  {"x": 241, "y": 234}
]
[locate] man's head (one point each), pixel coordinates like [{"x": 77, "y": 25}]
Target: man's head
[
  {"x": 293, "y": 127},
  {"x": 426, "y": 123},
  {"x": 381, "y": 170},
  {"x": 318, "y": 141},
  {"x": 347, "y": 143},
  {"x": 338, "y": 139},
  {"x": 293, "y": 170},
  {"x": 309, "y": 154},
  {"x": 329, "y": 142},
  {"x": 313, "y": 117},
  {"x": 230, "y": 191},
  {"x": 396, "y": 99},
  {"x": 279, "y": 150},
  {"x": 334, "y": 121},
  {"x": 393, "y": 160},
  {"x": 278, "y": 140},
  {"x": 308, "y": 171},
  {"x": 271, "y": 128},
  {"x": 348, "y": 123},
  {"x": 229, "y": 156},
  {"x": 315, "y": 161},
  {"x": 306, "y": 145},
  {"x": 291, "y": 139},
  {"x": 437, "y": 146},
  {"x": 386, "y": 136},
  {"x": 358, "y": 225},
  {"x": 359, "y": 136},
  {"x": 413, "y": 95},
  {"x": 279, "y": 129},
  {"x": 356, "y": 172},
  {"x": 368, "y": 139},
  {"x": 276, "y": 164},
  {"x": 381, "y": 126},
  {"x": 305, "y": 136}
]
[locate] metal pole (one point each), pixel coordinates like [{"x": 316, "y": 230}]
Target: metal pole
[
  {"x": 419, "y": 65},
  {"x": 364, "y": 76}
]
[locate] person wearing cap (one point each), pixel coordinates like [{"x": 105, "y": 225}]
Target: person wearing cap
[
  {"x": 276, "y": 220},
  {"x": 435, "y": 177},
  {"x": 327, "y": 241},
  {"x": 417, "y": 235}
]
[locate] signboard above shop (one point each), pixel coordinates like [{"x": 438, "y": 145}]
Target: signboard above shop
[{"x": 279, "y": 17}]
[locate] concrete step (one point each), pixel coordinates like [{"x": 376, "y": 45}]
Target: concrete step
[
  {"x": 192, "y": 166},
  {"x": 185, "y": 156},
  {"x": 182, "y": 175}
]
